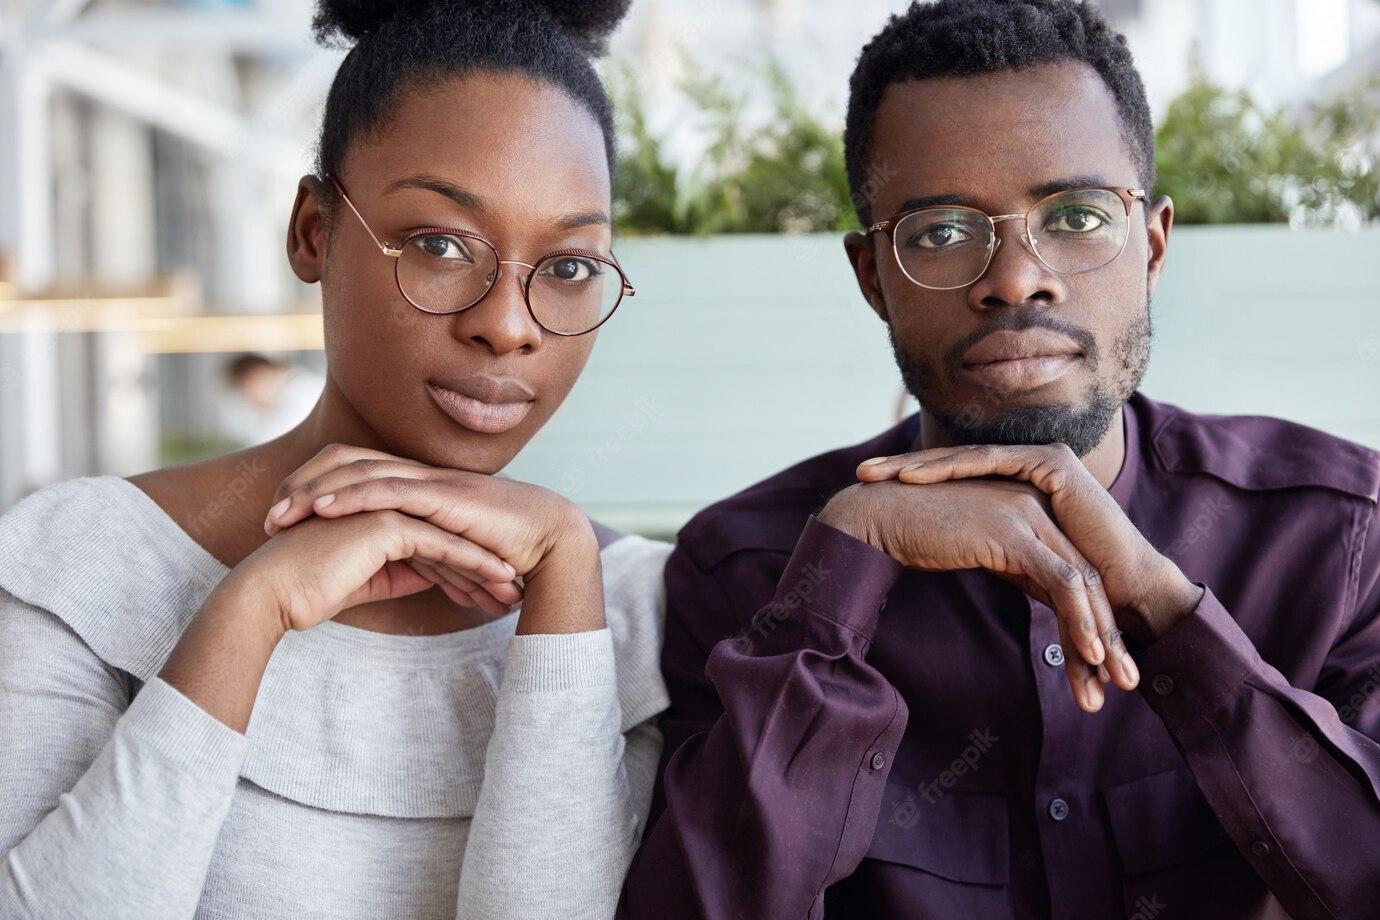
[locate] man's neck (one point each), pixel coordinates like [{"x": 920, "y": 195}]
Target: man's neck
[{"x": 1104, "y": 461}]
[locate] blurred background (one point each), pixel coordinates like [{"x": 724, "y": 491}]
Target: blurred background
[{"x": 149, "y": 153}]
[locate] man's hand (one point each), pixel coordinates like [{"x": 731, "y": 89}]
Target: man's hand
[
  {"x": 1147, "y": 591},
  {"x": 1007, "y": 529}
]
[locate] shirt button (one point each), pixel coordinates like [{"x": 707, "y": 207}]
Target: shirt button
[
  {"x": 1260, "y": 848},
  {"x": 1054, "y": 655},
  {"x": 1162, "y": 684},
  {"x": 1058, "y": 809},
  {"x": 878, "y": 760}
]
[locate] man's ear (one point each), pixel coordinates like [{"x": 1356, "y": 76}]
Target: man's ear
[
  {"x": 307, "y": 230},
  {"x": 864, "y": 258},
  {"x": 1159, "y": 220}
]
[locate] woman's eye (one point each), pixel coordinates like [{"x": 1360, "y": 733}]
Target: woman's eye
[
  {"x": 443, "y": 247},
  {"x": 941, "y": 236},
  {"x": 572, "y": 268},
  {"x": 1076, "y": 220}
]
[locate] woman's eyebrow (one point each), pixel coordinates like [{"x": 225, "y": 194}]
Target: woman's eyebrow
[
  {"x": 473, "y": 202},
  {"x": 582, "y": 219},
  {"x": 440, "y": 186}
]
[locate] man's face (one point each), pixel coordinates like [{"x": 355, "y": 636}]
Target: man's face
[{"x": 1069, "y": 349}]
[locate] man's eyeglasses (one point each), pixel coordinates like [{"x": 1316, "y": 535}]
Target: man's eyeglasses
[
  {"x": 446, "y": 270},
  {"x": 1070, "y": 232}
]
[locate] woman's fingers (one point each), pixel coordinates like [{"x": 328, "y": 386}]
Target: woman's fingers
[{"x": 327, "y": 473}]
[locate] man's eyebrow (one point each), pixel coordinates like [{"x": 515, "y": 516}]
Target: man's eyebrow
[
  {"x": 1043, "y": 190},
  {"x": 1064, "y": 185},
  {"x": 440, "y": 186},
  {"x": 938, "y": 201}
]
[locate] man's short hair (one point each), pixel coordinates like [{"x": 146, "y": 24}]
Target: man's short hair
[{"x": 964, "y": 38}]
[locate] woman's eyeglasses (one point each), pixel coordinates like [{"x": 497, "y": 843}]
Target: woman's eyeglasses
[{"x": 445, "y": 270}]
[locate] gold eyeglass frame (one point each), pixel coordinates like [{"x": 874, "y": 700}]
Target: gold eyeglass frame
[
  {"x": 525, "y": 281},
  {"x": 1128, "y": 196}
]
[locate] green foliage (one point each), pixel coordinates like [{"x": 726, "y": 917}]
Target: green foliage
[
  {"x": 1224, "y": 159},
  {"x": 786, "y": 175}
]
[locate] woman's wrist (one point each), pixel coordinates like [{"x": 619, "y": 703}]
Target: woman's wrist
[
  {"x": 564, "y": 593},
  {"x": 220, "y": 659}
]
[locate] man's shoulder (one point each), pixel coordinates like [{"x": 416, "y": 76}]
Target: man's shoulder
[
  {"x": 1256, "y": 453},
  {"x": 770, "y": 515}
]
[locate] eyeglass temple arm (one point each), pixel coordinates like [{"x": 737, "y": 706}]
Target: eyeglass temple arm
[{"x": 346, "y": 198}]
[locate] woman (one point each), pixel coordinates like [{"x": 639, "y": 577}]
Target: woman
[{"x": 211, "y": 709}]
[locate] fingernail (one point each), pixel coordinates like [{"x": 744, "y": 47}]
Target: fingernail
[
  {"x": 874, "y": 461},
  {"x": 1099, "y": 651},
  {"x": 270, "y": 528},
  {"x": 1095, "y": 697},
  {"x": 1132, "y": 672},
  {"x": 281, "y": 508},
  {"x": 323, "y": 501}
]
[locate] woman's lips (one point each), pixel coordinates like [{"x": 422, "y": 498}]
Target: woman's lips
[{"x": 486, "y": 416}]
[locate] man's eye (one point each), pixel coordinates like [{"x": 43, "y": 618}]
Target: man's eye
[
  {"x": 440, "y": 246},
  {"x": 1076, "y": 220},
  {"x": 573, "y": 269},
  {"x": 941, "y": 236}
]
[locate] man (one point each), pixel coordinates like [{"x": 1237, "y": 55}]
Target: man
[{"x": 868, "y": 717}]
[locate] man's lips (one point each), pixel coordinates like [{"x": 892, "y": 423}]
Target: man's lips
[
  {"x": 488, "y": 405},
  {"x": 1012, "y": 361}
]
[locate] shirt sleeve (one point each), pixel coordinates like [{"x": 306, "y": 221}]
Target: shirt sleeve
[
  {"x": 108, "y": 809},
  {"x": 778, "y": 745},
  {"x": 1292, "y": 773},
  {"x": 565, "y": 792}
]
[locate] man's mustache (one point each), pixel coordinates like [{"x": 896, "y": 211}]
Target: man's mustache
[{"x": 1016, "y": 320}]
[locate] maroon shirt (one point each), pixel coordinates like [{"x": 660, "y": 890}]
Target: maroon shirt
[{"x": 928, "y": 759}]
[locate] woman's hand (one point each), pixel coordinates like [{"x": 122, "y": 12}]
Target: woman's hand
[
  {"x": 316, "y": 570},
  {"x": 530, "y": 528}
]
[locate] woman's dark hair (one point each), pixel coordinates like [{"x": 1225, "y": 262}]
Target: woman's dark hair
[
  {"x": 963, "y": 38},
  {"x": 421, "y": 42}
]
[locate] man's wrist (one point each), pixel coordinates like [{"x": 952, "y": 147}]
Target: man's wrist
[
  {"x": 1169, "y": 600},
  {"x": 849, "y": 511}
]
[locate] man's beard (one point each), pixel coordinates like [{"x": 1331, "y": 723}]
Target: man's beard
[{"x": 1081, "y": 427}]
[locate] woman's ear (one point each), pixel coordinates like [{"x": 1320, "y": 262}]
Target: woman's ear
[{"x": 307, "y": 230}]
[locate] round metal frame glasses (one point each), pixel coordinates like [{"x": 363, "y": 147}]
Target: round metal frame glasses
[
  {"x": 625, "y": 288},
  {"x": 1128, "y": 197}
]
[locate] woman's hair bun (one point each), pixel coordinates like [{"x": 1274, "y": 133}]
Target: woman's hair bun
[
  {"x": 589, "y": 22},
  {"x": 351, "y": 20}
]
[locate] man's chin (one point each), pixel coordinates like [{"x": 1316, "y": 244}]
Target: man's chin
[{"x": 1081, "y": 426}]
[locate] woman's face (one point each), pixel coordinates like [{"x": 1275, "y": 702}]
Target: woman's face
[{"x": 514, "y": 161}]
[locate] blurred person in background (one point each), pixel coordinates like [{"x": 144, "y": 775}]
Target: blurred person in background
[
  {"x": 350, "y": 672},
  {"x": 268, "y": 397},
  {"x": 870, "y": 655}
]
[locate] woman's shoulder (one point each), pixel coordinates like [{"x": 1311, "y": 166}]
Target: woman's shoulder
[{"x": 100, "y": 555}]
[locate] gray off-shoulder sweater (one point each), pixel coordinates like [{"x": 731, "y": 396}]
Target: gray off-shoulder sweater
[{"x": 476, "y": 774}]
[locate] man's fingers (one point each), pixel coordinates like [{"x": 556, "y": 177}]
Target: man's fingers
[
  {"x": 1116, "y": 661},
  {"x": 1062, "y": 574},
  {"x": 1087, "y": 690}
]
